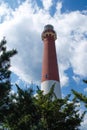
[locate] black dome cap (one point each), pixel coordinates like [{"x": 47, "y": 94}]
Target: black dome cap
[{"x": 49, "y": 26}]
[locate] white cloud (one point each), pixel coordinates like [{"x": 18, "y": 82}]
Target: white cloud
[
  {"x": 23, "y": 31},
  {"x": 5, "y": 12},
  {"x": 47, "y": 4},
  {"x": 59, "y": 7},
  {"x": 64, "y": 79},
  {"x": 79, "y": 59}
]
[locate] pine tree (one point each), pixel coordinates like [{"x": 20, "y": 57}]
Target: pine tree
[
  {"x": 5, "y": 73},
  {"x": 43, "y": 112},
  {"x": 85, "y": 81},
  {"x": 80, "y": 96},
  {"x": 23, "y": 113}
]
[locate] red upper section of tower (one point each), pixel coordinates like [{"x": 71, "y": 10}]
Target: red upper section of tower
[{"x": 49, "y": 65}]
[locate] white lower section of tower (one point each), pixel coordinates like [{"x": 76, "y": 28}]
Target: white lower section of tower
[{"x": 46, "y": 86}]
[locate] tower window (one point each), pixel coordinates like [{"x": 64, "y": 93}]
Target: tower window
[{"x": 46, "y": 76}]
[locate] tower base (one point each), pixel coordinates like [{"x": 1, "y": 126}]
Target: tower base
[{"x": 46, "y": 86}]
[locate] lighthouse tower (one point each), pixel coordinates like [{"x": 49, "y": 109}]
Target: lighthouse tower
[{"x": 50, "y": 73}]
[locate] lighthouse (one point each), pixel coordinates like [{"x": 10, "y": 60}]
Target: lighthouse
[{"x": 50, "y": 72}]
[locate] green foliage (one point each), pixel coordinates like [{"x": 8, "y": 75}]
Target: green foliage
[
  {"x": 5, "y": 84},
  {"x": 22, "y": 112},
  {"x": 58, "y": 114},
  {"x": 80, "y": 96},
  {"x": 85, "y": 81},
  {"x": 42, "y": 112}
]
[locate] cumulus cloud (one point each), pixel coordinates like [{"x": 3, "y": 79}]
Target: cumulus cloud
[
  {"x": 79, "y": 60},
  {"x": 5, "y": 12},
  {"x": 23, "y": 27},
  {"x": 47, "y": 4},
  {"x": 59, "y": 7}
]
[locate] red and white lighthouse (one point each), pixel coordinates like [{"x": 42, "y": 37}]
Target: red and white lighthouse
[{"x": 50, "y": 73}]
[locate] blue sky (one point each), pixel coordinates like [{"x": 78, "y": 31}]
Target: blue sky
[
  {"x": 22, "y": 22},
  {"x": 62, "y": 8},
  {"x": 70, "y": 5},
  {"x": 73, "y": 5}
]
